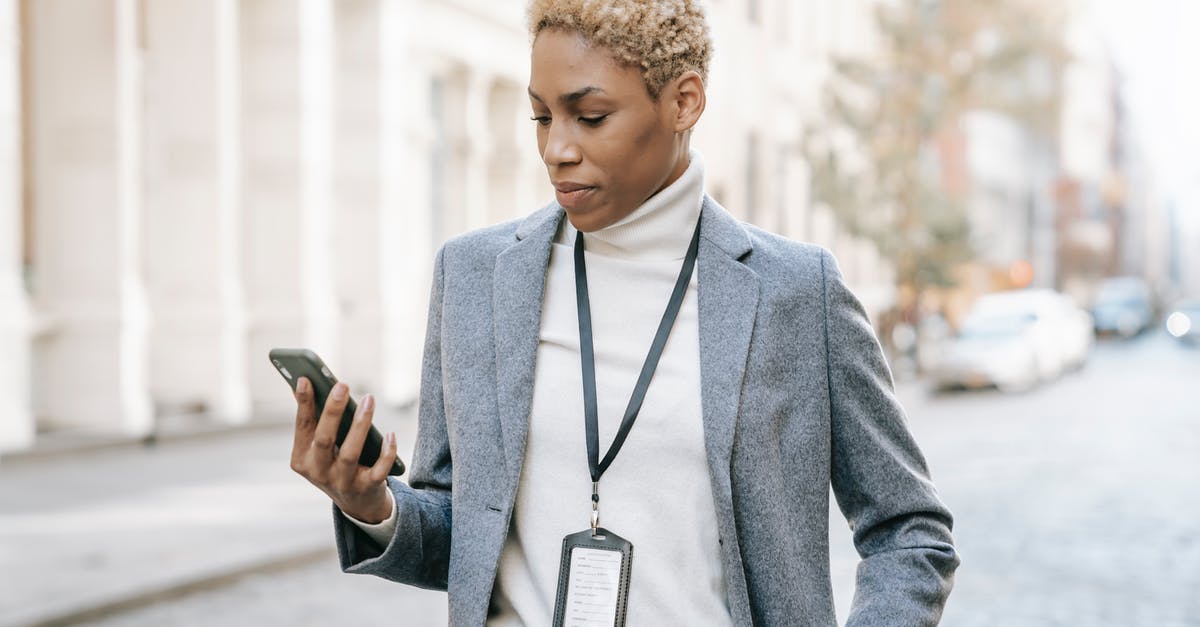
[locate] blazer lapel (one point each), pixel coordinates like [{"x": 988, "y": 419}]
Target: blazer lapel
[
  {"x": 728, "y": 302},
  {"x": 728, "y": 305},
  {"x": 518, "y": 287}
]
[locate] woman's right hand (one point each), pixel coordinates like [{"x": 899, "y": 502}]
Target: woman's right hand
[{"x": 359, "y": 491}]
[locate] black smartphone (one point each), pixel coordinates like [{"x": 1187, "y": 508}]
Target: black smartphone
[{"x": 293, "y": 363}]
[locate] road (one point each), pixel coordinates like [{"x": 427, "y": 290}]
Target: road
[{"x": 1075, "y": 504}]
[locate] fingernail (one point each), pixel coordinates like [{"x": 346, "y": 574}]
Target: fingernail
[
  {"x": 339, "y": 392},
  {"x": 391, "y": 438},
  {"x": 302, "y": 386},
  {"x": 368, "y": 403}
]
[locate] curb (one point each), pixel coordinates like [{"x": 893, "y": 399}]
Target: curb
[
  {"x": 180, "y": 587},
  {"x": 57, "y": 445},
  {"x": 50, "y": 448}
]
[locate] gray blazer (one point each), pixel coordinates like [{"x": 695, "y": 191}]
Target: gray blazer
[{"x": 796, "y": 397}]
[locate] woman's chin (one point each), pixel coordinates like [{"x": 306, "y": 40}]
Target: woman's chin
[{"x": 587, "y": 219}]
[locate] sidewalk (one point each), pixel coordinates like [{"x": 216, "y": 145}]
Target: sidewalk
[{"x": 87, "y": 530}]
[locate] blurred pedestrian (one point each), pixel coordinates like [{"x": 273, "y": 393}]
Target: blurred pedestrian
[{"x": 730, "y": 415}]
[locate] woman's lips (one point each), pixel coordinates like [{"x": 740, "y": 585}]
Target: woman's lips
[{"x": 570, "y": 196}]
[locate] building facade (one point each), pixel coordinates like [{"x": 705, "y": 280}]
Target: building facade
[{"x": 188, "y": 183}]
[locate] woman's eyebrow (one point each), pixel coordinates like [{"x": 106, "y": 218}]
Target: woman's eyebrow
[{"x": 571, "y": 97}]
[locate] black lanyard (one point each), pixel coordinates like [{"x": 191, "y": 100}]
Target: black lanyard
[{"x": 588, "y": 359}]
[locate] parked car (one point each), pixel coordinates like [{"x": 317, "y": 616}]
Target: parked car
[
  {"x": 1183, "y": 323},
  {"x": 990, "y": 349},
  {"x": 1015, "y": 340},
  {"x": 1075, "y": 326},
  {"x": 1123, "y": 307}
]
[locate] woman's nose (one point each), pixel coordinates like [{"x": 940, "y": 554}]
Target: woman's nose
[{"x": 561, "y": 147}]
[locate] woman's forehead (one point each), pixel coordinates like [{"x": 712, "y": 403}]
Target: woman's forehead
[{"x": 565, "y": 69}]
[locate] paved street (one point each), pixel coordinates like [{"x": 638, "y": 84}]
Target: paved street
[{"x": 1075, "y": 504}]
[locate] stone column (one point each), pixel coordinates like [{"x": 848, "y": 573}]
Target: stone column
[
  {"x": 86, "y": 188},
  {"x": 317, "y": 262},
  {"x": 356, "y": 172},
  {"x": 233, "y": 403},
  {"x": 16, "y": 425},
  {"x": 275, "y": 260},
  {"x": 137, "y": 414},
  {"x": 192, "y": 260},
  {"x": 405, "y": 196}
]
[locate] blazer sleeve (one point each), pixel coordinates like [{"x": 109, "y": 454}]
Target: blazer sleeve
[
  {"x": 901, "y": 528},
  {"x": 419, "y": 551}
]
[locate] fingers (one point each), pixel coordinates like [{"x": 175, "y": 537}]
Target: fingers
[
  {"x": 325, "y": 435},
  {"x": 382, "y": 465},
  {"x": 352, "y": 446},
  {"x": 306, "y": 418}
]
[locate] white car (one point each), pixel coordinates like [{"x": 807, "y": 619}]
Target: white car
[{"x": 1015, "y": 340}]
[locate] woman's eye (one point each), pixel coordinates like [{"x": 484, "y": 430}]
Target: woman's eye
[{"x": 544, "y": 120}]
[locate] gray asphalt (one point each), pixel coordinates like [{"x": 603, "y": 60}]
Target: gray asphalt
[{"x": 1075, "y": 503}]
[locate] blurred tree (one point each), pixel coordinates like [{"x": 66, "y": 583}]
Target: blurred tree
[{"x": 890, "y": 159}]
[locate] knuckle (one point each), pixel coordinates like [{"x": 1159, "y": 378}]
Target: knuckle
[
  {"x": 304, "y": 404},
  {"x": 315, "y": 469}
]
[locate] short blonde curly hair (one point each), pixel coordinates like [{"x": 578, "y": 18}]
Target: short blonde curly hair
[{"x": 665, "y": 38}]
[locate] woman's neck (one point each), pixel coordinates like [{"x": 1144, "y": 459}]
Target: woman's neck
[{"x": 659, "y": 229}]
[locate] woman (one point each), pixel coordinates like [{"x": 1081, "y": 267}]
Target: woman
[{"x": 733, "y": 412}]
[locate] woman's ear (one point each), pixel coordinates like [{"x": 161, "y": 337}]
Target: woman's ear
[{"x": 687, "y": 90}]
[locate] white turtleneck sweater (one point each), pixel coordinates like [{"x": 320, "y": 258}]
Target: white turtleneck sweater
[{"x": 657, "y": 493}]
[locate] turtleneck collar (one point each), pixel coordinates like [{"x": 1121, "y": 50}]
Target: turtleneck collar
[{"x": 658, "y": 230}]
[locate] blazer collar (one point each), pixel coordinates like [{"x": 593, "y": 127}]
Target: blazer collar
[
  {"x": 536, "y": 220},
  {"x": 723, "y": 230}
]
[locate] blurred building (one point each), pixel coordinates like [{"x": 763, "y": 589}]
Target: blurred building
[
  {"x": 1066, "y": 211},
  {"x": 1089, "y": 187},
  {"x": 1111, "y": 221},
  {"x": 1010, "y": 207},
  {"x": 770, "y": 66},
  {"x": 188, "y": 183}
]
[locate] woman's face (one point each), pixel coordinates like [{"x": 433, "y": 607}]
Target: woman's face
[{"x": 607, "y": 145}]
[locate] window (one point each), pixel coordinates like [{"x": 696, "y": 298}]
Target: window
[
  {"x": 752, "y": 167},
  {"x": 437, "y": 161}
]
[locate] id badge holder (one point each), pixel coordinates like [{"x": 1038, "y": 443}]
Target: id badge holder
[{"x": 593, "y": 580}]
